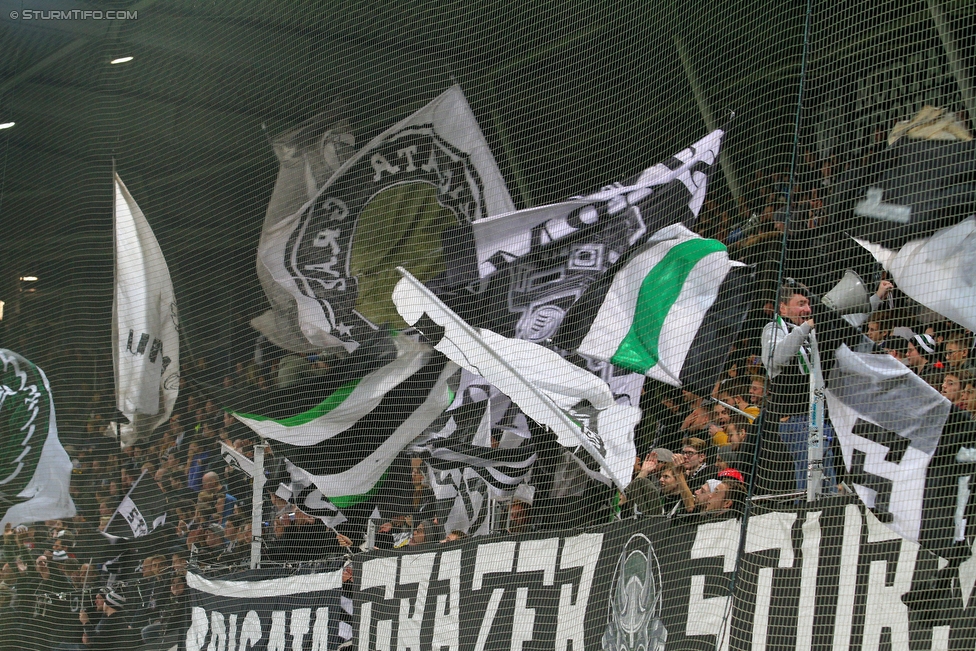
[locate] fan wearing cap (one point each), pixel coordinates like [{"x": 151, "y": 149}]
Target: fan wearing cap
[
  {"x": 721, "y": 496},
  {"x": 112, "y": 633},
  {"x": 644, "y": 490},
  {"x": 920, "y": 348}
]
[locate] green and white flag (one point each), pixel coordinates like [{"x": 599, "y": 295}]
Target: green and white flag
[
  {"x": 345, "y": 443},
  {"x": 670, "y": 311},
  {"x": 35, "y": 471}
]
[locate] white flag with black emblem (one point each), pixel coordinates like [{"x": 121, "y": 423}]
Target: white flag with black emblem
[
  {"x": 407, "y": 198},
  {"x": 145, "y": 326}
]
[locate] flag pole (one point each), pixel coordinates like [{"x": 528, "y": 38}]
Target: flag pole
[
  {"x": 578, "y": 430},
  {"x": 115, "y": 289}
]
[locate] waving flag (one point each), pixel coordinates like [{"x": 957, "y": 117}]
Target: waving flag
[
  {"x": 345, "y": 443},
  {"x": 905, "y": 448},
  {"x": 939, "y": 271},
  {"x": 145, "y": 327},
  {"x": 35, "y": 471},
  {"x": 670, "y": 311},
  {"x": 915, "y": 188},
  {"x": 484, "y": 431},
  {"x": 406, "y": 198},
  {"x": 539, "y": 381},
  {"x": 140, "y": 512},
  {"x": 534, "y": 264},
  {"x": 308, "y": 156},
  {"x": 348, "y": 404}
]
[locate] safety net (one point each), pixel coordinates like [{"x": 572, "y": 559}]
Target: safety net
[{"x": 630, "y": 325}]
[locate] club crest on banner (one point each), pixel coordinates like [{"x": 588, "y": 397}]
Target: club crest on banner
[{"x": 413, "y": 173}]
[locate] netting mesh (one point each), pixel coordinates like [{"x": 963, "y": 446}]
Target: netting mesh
[{"x": 623, "y": 325}]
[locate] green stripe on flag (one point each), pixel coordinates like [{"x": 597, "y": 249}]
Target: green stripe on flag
[
  {"x": 335, "y": 399},
  {"x": 638, "y": 351},
  {"x": 345, "y": 501}
]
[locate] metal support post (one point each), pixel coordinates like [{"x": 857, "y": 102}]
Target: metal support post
[
  {"x": 815, "y": 440},
  {"x": 257, "y": 504}
]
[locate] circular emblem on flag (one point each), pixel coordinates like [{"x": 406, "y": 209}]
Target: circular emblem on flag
[
  {"x": 25, "y": 410},
  {"x": 407, "y": 201}
]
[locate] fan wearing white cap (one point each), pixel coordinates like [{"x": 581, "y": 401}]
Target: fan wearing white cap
[
  {"x": 920, "y": 347},
  {"x": 113, "y": 632}
]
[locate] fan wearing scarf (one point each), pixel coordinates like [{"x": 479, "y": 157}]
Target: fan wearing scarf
[{"x": 786, "y": 356}]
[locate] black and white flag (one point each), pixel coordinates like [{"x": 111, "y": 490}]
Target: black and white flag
[
  {"x": 534, "y": 264},
  {"x": 902, "y": 443},
  {"x": 544, "y": 385},
  {"x": 407, "y": 198},
  {"x": 141, "y": 511},
  {"x": 915, "y": 188},
  {"x": 482, "y": 430}
]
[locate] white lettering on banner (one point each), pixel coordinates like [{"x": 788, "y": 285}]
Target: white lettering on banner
[
  {"x": 298, "y": 627},
  {"x": 335, "y": 209},
  {"x": 223, "y": 631},
  {"x": 810, "y": 549},
  {"x": 491, "y": 559},
  {"x": 408, "y": 153},
  {"x": 534, "y": 556},
  {"x": 431, "y": 164},
  {"x": 250, "y": 631},
  {"x": 579, "y": 554},
  {"x": 884, "y": 607},
  {"x": 580, "y": 551},
  {"x": 415, "y": 569},
  {"x": 707, "y": 616},
  {"x": 199, "y": 627},
  {"x": 218, "y": 633},
  {"x": 382, "y": 166},
  {"x": 231, "y": 631},
  {"x": 276, "y": 638},
  {"x": 379, "y": 572},
  {"x": 327, "y": 238},
  {"x": 523, "y": 620},
  {"x": 320, "y": 632},
  {"x": 847, "y": 585},
  {"x": 447, "y": 624},
  {"x": 768, "y": 531}
]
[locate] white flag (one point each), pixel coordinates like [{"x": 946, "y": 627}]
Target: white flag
[
  {"x": 145, "y": 326},
  {"x": 408, "y": 198},
  {"x": 542, "y": 383},
  {"x": 34, "y": 469},
  {"x": 939, "y": 271}
]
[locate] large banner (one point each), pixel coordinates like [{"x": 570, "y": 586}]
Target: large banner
[
  {"x": 266, "y": 610},
  {"x": 829, "y": 577}
]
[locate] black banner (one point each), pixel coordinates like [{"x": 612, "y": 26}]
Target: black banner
[
  {"x": 829, "y": 576},
  {"x": 267, "y": 610}
]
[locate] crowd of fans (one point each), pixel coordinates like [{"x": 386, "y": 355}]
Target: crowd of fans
[{"x": 63, "y": 585}]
